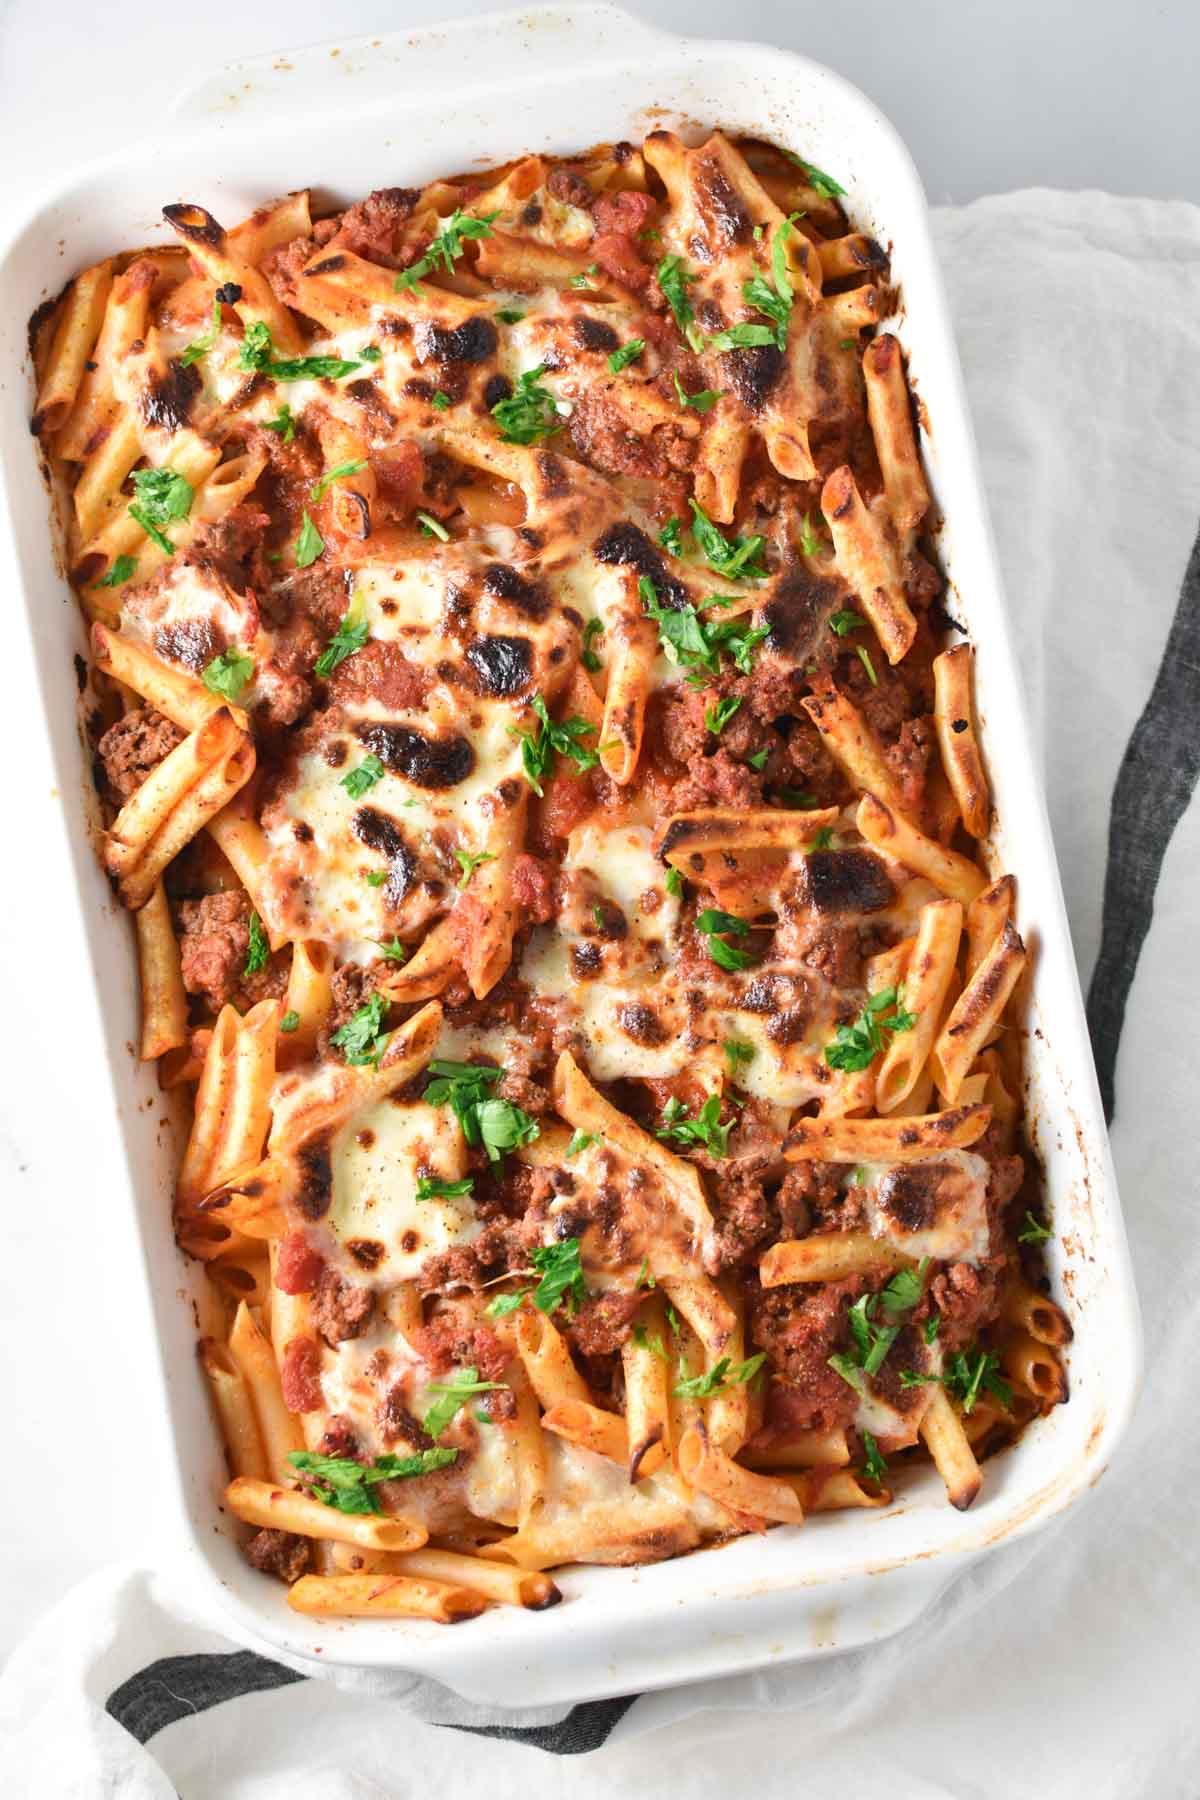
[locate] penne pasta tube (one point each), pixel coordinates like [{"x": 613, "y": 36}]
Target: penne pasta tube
[
  {"x": 590, "y": 1428},
  {"x": 805, "y": 1450},
  {"x": 709, "y": 1470},
  {"x": 164, "y": 1002},
  {"x": 279, "y": 1429},
  {"x": 728, "y": 828},
  {"x": 868, "y": 561},
  {"x": 976, "y": 1013},
  {"x": 830, "y": 1256},
  {"x": 724, "y": 442},
  {"x": 543, "y": 1350},
  {"x": 942, "y": 1432},
  {"x": 510, "y": 1587},
  {"x": 834, "y": 1490},
  {"x": 306, "y": 1004},
  {"x": 233, "y": 1101},
  {"x": 383, "y": 1596},
  {"x": 885, "y": 828},
  {"x": 885, "y": 1140},
  {"x": 854, "y": 746},
  {"x": 220, "y": 257},
  {"x": 180, "y": 698},
  {"x": 954, "y": 722},
  {"x": 987, "y": 916},
  {"x": 264, "y": 1504},
  {"x": 927, "y": 975},
  {"x": 235, "y": 1410},
  {"x": 1033, "y": 1368},
  {"x": 80, "y": 316},
  {"x": 889, "y": 409},
  {"x": 645, "y": 1364},
  {"x": 1037, "y": 1315},
  {"x": 524, "y": 1433}
]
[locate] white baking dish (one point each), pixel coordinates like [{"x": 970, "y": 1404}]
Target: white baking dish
[{"x": 398, "y": 110}]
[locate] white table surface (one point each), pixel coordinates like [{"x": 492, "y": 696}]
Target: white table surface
[{"x": 989, "y": 97}]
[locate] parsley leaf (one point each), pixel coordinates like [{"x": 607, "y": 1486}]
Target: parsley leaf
[
  {"x": 468, "y": 862},
  {"x": 441, "y": 401},
  {"x": 739, "y": 559},
  {"x": 904, "y": 1289},
  {"x": 395, "y": 951},
  {"x": 361, "y": 1039},
  {"x": 454, "y": 1396},
  {"x": 371, "y": 353},
  {"x": 447, "y": 244},
  {"x": 256, "y": 354},
  {"x": 258, "y": 950},
  {"x": 561, "y": 1272},
  {"x": 845, "y": 620},
  {"x": 674, "y": 883},
  {"x": 360, "y": 781},
  {"x": 714, "y": 923},
  {"x": 580, "y": 1140},
  {"x": 503, "y": 1304},
  {"x": 320, "y": 488},
  {"x": 871, "y": 1342},
  {"x": 848, "y": 1369},
  {"x": 703, "y": 402},
  {"x": 645, "y": 1275},
  {"x": 737, "y": 1053},
  {"x": 376, "y": 877},
  {"x": 705, "y": 1129},
  {"x": 717, "y": 717},
  {"x": 810, "y": 543},
  {"x": 496, "y": 1124},
  {"x": 309, "y": 544},
  {"x": 431, "y": 527},
  {"x": 692, "y": 642},
  {"x": 290, "y": 1022},
  {"x": 587, "y": 656},
  {"x": 674, "y": 281},
  {"x": 654, "y": 1345},
  {"x": 969, "y": 1372},
  {"x": 775, "y": 301},
  {"x": 628, "y": 353},
  {"x": 283, "y": 423},
  {"x": 759, "y": 757},
  {"x": 203, "y": 344},
  {"x": 747, "y": 335},
  {"x": 669, "y": 537},
  {"x": 509, "y": 315},
  {"x": 122, "y": 568},
  {"x": 864, "y": 656},
  {"x": 1034, "y": 1231},
  {"x": 538, "y": 748},
  {"x": 855, "y": 1047},
  {"x": 163, "y": 496},
  {"x": 430, "y": 1188},
  {"x": 530, "y": 412},
  {"x": 228, "y": 673},
  {"x": 350, "y": 636},
  {"x": 818, "y": 181},
  {"x": 931, "y": 1326},
  {"x": 721, "y": 1376},
  {"x": 348, "y": 1486},
  {"x": 874, "y": 1467}
]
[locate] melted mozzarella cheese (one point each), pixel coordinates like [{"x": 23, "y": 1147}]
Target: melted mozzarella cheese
[
  {"x": 377, "y": 1159},
  {"x": 936, "y": 1208}
]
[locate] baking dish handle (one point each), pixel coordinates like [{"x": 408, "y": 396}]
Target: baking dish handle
[{"x": 303, "y": 83}]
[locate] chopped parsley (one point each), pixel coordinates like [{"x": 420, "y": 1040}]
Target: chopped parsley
[
  {"x": 290, "y": 1022},
  {"x": 580, "y": 1141},
  {"x": 669, "y": 537},
  {"x": 654, "y": 1344},
  {"x": 496, "y": 1124},
  {"x": 509, "y": 315},
  {"x": 561, "y": 1274},
  {"x": 759, "y": 757},
  {"x": 441, "y": 401},
  {"x": 360, "y": 781},
  {"x": 258, "y": 950},
  {"x": 361, "y": 1039},
  {"x": 810, "y": 543},
  {"x": 855, "y": 1047},
  {"x": 874, "y": 1467},
  {"x": 969, "y": 1372},
  {"x": 454, "y": 1396},
  {"x": 845, "y": 620},
  {"x": 376, "y": 877},
  {"x": 503, "y": 1304},
  {"x": 538, "y": 748},
  {"x": 628, "y": 353},
  {"x": 737, "y": 559},
  {"x": 864, "y": 656},
  {"x": 587, "y": 656},
  {"x": 774, "y": 298},
  {"x": 530, "y": 413},
  {"x": 447, "y": 244},
  {"x": 1033, "y": 1232},
  {"x": 721, "y": 1376},
  {"x": 581, "y": 281},
  {"x": 257, "y": 355},
  {"x": 904, "y": 1289},
  {"x": 162, "y": 497},
  {"x": 228, "y": 673},
  {"x": 350, "y": 636},
  {"x": 430, "y": 1188},
  {"x": 746, "y": 336},
  {"x": 395, "y": 951},
  {"x": 674, "y": 883},
  {"x": 797, "y": 799},
  {"x": 283, "y": 423},
  {"x": 932, "y": 1324},
  {"x": 818, "y": 181},
  {"x": 349, "y": 1486},
  {"x": 468, "y": 861},
  {"x": 717, "y": 717},
  {"x": 702, "y": 402},
  {"x": 371, "y": 353},
  {"x": 309, "y": 544},
  {"x": 716, "y": 925},
  {"x": 692, "y": 642},
  {"x": 823, "y": 838},
  {"x": 674, "y": 281},
  {"x": 705, "y": 1129},
  {"x": 122, "y": 568},
  {"x": 203, "y": 344},
  {"x": 431, "y": 527},
  {"x": 645, "y": 1275},
  {"x": 737, "y": 1054},
  {"x": 320, "y": 488}
]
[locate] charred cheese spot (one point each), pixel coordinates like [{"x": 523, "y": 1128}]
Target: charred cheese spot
[{"x": 374, "y": 1188}]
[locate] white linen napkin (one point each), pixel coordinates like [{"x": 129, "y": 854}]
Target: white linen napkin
[{"x": 1062, "y": 1665}]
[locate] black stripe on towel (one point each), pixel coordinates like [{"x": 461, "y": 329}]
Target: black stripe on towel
[
  {"x": 177, "y": 1686},
  {"x": 585, "y": 1728},
  {"x": 1154, "y": 785}
]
